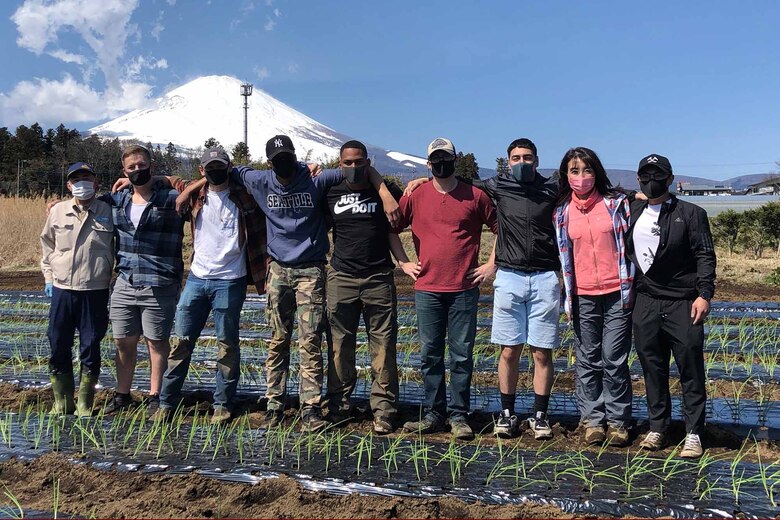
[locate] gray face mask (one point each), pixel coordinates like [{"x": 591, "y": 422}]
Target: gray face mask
[
  {"x": 523, "y": 172},
  {"x": 354, "y": 174}
]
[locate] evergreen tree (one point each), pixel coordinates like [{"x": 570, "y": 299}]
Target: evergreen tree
[
  {"x": 211, "y": 143},
  {"x": 240, "y": 153},
  {"x": 466, "y": 166},
  {"x": 171, "y": 159},
  {"x": 502, "y": 166}
]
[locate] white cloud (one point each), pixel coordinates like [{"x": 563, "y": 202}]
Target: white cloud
[
  {"x": 261, "y": 72},
  {"x": 139, "y": 63},
  {"x": 67, "y": 100},
  {"x": 292, "y": 68},
  {"x": 269, "y": 24},
  {"x": 158, "y": 26},
  {"x": 171, "y": 2},
  {"x": 68, "y": 57},
  {"x": 277, "y": 13},
  {"x": 106, "y": 28}
]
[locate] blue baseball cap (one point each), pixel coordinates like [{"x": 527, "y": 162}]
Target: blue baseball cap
[{"x": 80, "y": 167}]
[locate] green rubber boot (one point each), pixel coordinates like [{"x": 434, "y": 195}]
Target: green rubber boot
[
  {"x": 63, "y": 387},
  {"x": 86, "y": 394}
]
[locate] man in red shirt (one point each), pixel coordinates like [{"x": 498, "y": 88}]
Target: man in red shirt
[{"x": 446, "y": 217}]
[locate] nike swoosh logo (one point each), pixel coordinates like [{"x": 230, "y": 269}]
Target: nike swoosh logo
[{"x": 340, "y": 208}]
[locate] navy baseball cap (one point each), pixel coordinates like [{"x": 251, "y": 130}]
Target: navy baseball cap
[
  {"x": 278, "y": 144},
  {"x": 79, "y": 167}
]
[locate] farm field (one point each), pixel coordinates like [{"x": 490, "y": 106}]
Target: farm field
[{"x": 108, "y": 464}]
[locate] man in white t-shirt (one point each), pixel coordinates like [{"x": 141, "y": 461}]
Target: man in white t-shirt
[
  {"x": 670, "y": 244},
  {"x": 224, "y": 260}
]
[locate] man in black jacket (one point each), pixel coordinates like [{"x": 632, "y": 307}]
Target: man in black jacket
[
  {"x": 669, "y": 242},
  {"x": 526, "y": 302}
]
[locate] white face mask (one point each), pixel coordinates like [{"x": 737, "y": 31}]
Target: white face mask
[{"x": 83, "y": 190}]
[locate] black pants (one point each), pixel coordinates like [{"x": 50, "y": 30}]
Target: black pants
[
  {"x": 662, "y": 328},
  {"x": 85, "y": 311}
]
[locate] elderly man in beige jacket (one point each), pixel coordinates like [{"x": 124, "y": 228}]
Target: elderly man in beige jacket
[{"x": 78, "y": 257}]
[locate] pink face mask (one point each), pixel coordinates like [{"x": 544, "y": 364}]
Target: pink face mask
[{"x": 582, "y": 185}]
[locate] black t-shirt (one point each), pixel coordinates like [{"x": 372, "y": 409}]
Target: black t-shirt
[{"x": 360, "y": 229}]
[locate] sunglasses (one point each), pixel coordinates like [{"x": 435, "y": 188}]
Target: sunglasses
[
  {"x": 653, "y": 176},
  {"x": 441, "y": 159}
]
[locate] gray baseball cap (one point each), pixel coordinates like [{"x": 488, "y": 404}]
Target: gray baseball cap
[{"x": 215, "y": 154}]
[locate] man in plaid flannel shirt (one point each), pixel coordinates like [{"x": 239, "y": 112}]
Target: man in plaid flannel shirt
[{"x": 149, "y": 262}]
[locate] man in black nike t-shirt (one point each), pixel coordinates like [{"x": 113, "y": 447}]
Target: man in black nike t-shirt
[{"x": 360, "y": 281}]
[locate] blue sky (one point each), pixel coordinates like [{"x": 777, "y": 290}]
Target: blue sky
[{"x": 697, "y": 81}]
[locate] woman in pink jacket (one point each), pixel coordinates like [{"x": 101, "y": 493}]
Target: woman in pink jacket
[{"x": 590, "y": 220}]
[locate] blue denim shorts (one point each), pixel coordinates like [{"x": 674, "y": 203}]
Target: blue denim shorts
[{"x": 526, "y": 308}]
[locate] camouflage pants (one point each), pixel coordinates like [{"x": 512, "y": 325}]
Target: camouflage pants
[{"x": 295, "y": 292}]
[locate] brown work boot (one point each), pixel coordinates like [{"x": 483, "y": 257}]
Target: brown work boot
[
  {"x": 595, "y": 435},
  {"x": 617, "y": 436},
  {"x": 221, "y": 415}
]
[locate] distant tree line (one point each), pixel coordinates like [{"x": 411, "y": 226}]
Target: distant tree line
[{"x": 752, "y": 231}]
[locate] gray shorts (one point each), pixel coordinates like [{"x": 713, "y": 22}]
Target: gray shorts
[{"x": 142, "y": 310}]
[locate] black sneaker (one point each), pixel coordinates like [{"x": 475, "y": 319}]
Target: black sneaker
[
  {"x": 152, "y": 403},
  {"x": 507, "y": 426},
  {"x": 273, "y": 418},
  {"x": 430, "y": 423},
  {"x": 312, "y": 421},
  {"x": 119, "y": 402}
]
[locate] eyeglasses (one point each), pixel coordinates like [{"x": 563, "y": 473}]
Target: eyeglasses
[
  {"x": 653, "y": 176},
  {"x": 441, "y": 159}
]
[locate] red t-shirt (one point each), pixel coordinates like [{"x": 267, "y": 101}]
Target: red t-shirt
[{"x": 446, "y": 228}]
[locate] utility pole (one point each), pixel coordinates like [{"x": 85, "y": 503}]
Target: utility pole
[
  {"x": 246, "y": 91},
  {"x": 19, "y": 166}
]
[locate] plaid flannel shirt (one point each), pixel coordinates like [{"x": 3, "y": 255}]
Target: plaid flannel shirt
[
  {"x": 620, "y": 212},
  {"x": 149, "y": 256},
  {"x": 251, "y": 226}
]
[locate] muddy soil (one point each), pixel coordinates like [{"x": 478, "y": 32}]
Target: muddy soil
[{"x": 88, "y": 492}]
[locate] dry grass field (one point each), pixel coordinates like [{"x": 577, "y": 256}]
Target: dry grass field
[{"x": 21, "y": 221}]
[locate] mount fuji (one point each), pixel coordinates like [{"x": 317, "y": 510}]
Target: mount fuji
[{"x": 210, "y": 106}]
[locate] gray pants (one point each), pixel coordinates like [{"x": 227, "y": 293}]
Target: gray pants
[{"x": 602, "y": 340}]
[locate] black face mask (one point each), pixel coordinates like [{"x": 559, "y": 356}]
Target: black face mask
[
  {"x": 443, "y": 169},
  {"x": 653, "y": 188},
  {"x": 354, "y": 174},
  {"x": 140, "y": 177},
  {"x": 285, "y": 167},
  {"x": 216, "y": 177}
]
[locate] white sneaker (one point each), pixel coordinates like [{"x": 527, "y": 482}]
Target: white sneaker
[
  {"x": 540, "y": 426},
  {"x": 507, "y": 426},
  {"x": 692, "y": 447},
  {"x": 653, "y": 441}
]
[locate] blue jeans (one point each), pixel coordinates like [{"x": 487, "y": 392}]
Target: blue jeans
[
  {"x": 224, "y": 299},
  {"x": 453, "y": 316}
]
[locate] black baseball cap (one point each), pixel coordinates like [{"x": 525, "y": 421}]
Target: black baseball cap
[
  {"x": 659, "y": 162},
  {"x": 278, "y": 144},
  {"x": 79, "y": 167}
]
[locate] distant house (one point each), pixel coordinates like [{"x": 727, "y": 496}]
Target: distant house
[
  {"x": 770, "y": 186},
  {"x": 691, "y": 190}
]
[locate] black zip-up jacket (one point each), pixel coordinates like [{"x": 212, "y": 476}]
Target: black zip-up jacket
[
  {"x": 526, "y": 236},
  {"x": 684, "y": 264}
]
